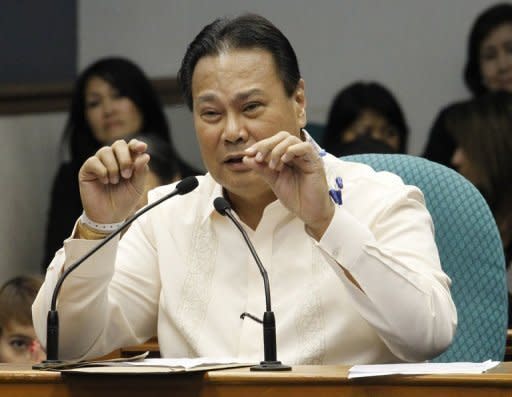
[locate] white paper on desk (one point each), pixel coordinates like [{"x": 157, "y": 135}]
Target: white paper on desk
[
  {"x": 159, "y": 366},
  {"x": 185, "y": 363},
  {"x": 359, "y": 371}
]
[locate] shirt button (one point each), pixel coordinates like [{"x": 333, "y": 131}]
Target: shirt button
[{"x": 336, "y": 252}]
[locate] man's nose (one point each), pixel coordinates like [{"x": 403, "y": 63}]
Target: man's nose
[{"x": 234, "y": 130}]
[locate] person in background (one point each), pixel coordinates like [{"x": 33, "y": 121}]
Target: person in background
[
  {"x": 18, "y": 341},
  {"x": 365, "y": 117},
  {"x": 488, "y": 69},
  {"x": 356, "y": 280},
  {"x": 112, "y": 99},
  {"x": 482, "y": 131}
]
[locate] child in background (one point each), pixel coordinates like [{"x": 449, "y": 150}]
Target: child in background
[{"x": 18, "y": 341}]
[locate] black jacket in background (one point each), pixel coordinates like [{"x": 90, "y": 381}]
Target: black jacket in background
[
  {"x": 440, "y": 145},
  {"x": 65, "y": 208}
]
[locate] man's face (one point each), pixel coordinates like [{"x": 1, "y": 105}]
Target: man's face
[
  {"x": 239, "y": 99},
  {"x": 18, "y": 344}
]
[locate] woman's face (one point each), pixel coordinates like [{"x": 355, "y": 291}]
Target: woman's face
[
  {"x": 110, "y": 115},
  {"x": 372, "y": 124},
  {"x": 496, "y": 59}
]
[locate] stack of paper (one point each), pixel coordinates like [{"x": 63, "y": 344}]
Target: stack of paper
[
  {"x": 141, "y": 364},
  {"x": 359, "y": 371},
  {"x": 186, "y": 363}
]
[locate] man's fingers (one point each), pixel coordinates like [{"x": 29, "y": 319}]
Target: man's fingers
[
  {"x": 140, "y": 169},
  {"x": 261, "y": 150},
  {"x": 137, "y": 146},
  {"x": 94, "y": 169},
  {"x": 108, "y": 158},
  {"x": 277, "y": 152},
  {"x": 140, "y": 162},
  {"x": 304, "y": 158},
  {"x": 119, "y": 159},
  {"x": 124, "y": 159},
  {"x": 283, "y": 149}
]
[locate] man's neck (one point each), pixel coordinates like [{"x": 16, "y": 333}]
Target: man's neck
[{"x": 250, "y": 209}]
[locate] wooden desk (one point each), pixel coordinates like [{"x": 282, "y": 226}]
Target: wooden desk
[{"x": 317, "y": 381}]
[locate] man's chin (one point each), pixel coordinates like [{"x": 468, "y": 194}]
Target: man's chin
[{"x": 247, "y": 184}]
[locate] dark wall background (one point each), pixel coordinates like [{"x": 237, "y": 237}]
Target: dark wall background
[{"x": 38, "y": 41}]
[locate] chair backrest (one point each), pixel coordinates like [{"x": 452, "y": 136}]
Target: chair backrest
[{"x": 470, "y": 249}]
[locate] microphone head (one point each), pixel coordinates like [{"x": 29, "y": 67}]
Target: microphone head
[
  {"x": 221, "y": 205},
  {"x": 187, "y": 185}
]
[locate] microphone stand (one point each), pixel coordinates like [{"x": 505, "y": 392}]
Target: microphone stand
[
  {"x": 52, "y": 323},
  {"x": 270, "y": 362}
]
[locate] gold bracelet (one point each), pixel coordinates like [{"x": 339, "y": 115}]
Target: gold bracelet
[{"x": 87, "y": 233}]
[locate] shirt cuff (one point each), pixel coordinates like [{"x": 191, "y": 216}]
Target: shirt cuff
[
  {"x": 96, "y": 265},
  {"x": 345, "y": 238}
]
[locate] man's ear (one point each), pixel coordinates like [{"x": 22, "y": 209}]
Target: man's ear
[{"x": 299, "y": 101}]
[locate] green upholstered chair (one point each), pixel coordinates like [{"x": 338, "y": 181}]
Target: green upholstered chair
[{"x": 470, "y": 249}]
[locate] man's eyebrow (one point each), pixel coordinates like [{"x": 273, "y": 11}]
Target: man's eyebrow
[
  {"x": 246, "y": 94},
  {"x": 240, "y": 97},
  {"x": 206, "y": 98}
]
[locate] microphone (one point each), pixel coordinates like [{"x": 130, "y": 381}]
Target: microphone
[
  {"x": 52, "y": 323},
  {"x": 270, "y": 362}
]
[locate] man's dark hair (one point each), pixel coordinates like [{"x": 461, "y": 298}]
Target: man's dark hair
[{"x": 244, "y": 32}]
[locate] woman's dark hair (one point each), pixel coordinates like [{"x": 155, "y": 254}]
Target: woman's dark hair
[
  {"x": 482, "y": 128},
  {"x": 485, "y": 23},
  {"x": 244, "y": 32},
  {"x": 131, "y": 82},
  {"x": 350, "y": 103}
]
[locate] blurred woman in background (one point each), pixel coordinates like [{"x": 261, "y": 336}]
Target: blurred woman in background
[
  {"x": 482, "y": 131},
  {"x": 365, "y": 118},
  {"x": 488, "y": 69},
  {"x": 112, "y": 99}
]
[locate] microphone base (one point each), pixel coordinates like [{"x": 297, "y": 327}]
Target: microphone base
[
  {"x": 271, "y": 366},
  {"x": 47, "y": 364}
]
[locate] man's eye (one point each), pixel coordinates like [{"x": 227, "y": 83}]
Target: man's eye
[
  {"x": 251, "y": 106},
  {"x": 210, "y": 115}
]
